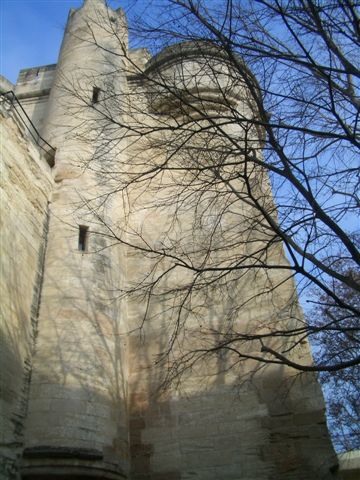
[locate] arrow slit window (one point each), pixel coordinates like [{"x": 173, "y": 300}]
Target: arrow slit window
[{"x": 83, "y": 238}]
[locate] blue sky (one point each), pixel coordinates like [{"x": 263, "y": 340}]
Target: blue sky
[{"x": 31, "y": 32}]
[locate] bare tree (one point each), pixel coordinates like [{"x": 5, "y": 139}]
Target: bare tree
[
  {"x": 255, "y": 94},
  {"x": 341, "y": 387}
]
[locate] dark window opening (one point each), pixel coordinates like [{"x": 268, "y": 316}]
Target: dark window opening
[
  {"x": 95, "y": 95},
  {"x": 50, "y": 153},
  {"x": 83, "y": 238}
]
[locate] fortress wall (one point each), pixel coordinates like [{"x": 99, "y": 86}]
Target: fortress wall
[
  {"x": 221, "y": 421},
  {"x": 77, "y": 418},
  {"x": 26, "y": 184},
  {"x": 32, "y": 89},
  {"x": 76, "y": 408},
  {"x": 216, "y": 425},
  {"x": 95, "y": 408}
]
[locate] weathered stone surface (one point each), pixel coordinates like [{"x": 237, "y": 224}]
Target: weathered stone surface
[{"x": 26, "y": 185}]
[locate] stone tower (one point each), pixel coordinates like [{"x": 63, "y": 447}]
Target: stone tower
[{"x": 81, "y": 384}]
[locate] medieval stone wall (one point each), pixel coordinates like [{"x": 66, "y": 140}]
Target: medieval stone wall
[
  {"x": 32, "y": 89},
  {"x": 26, "y": 185},
  {"x": 234, "y": 423}
]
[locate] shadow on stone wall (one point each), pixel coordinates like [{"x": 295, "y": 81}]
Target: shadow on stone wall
[
  {"x": 77, "y": 416},
  {"x": 83, "y": 410},
  {"x": 270, "y": 427},
  {"x": 24, "y": 194}
]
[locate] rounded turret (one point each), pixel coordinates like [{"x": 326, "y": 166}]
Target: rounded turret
[
  {"x": 196, "y": 75},
  {"x": 90, "y": 72},
  {"x": 197, "y": 81},
  {"x": 77, "y": 424}
]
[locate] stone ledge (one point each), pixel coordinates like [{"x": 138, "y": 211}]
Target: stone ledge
[
  {"x": 349, "y": 465},
  {"x": 62, "y": 452}
]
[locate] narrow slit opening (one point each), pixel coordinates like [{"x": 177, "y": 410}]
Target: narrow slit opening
[
  {"x": 95, "y": 95},
  {"x": 83, "y": 238}
]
